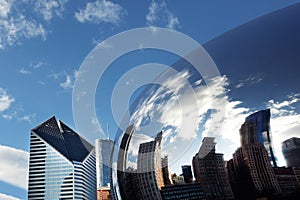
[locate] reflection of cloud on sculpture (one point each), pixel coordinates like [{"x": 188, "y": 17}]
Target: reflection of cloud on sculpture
[{"x": 166, "y": 107}]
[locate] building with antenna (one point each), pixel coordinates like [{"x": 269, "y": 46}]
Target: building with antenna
[{"x": 103, "y": 148}]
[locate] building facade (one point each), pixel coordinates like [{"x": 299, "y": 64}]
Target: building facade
[
  {"x": 287, "y": 180},
  {"x": 291, "y": 151},
  {"x": 187, "y": 173},
  {"x": 182, "y": 191},
  {"x": 149, "y": 169},
  {"x": 211, "y": 168},
  {"x": 104, "y": 193},
  {"x": 253, "y": 173},
  {"x": 103, "y": 148},
  {"x": 261, "y": 120},
  {"x": 62, "y": 164},
  {"x": 165, "y": 170}
]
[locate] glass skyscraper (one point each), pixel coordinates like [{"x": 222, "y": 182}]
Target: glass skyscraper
[
  {"x": 261, "y": 119},
  {"x": 62, "y": 164},
  {"x": 104, "y": 149}
]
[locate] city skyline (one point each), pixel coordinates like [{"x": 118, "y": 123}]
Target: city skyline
[
  {"x": 43, "y": 43},
  {"x": 57, "y": 153}
]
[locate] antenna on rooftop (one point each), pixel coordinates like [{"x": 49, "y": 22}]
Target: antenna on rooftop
[{"x": 107, "y": 130}]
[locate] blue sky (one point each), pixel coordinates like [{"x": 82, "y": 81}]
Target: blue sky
[{"x": 44, "y": 42}]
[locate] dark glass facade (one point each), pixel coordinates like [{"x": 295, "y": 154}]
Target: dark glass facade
[{"x": 187, "y": 173}]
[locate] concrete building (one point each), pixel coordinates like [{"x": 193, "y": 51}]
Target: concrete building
[
  {"x": 182, "y": 191},
  {"x": 149, "y": 169},
  {"x": 104, "y": 193},
  {"x": 291, "y": 151},
  {"x": 212, "y": 175},
  {"x": 254, "y": 176},
  {"x": 165, "y": 170},
  {"x": 287, "y": 180}
]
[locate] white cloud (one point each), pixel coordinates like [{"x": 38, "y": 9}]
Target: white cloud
[
  {"x": 285, "y": 122},
  {"x": 5, "y": 100},
  {"x": 69, "y": 80},
  {"x": 37, "y": 64},
  {"x": 50, "y": 8},
  {"x": 15, "y": 26},
  {"x": 14, "y": 166},
  {"x": 7, "y": 197},
  {"x": 32, "y": 66},
  {"x": 68, "y": 83},
  {"x": 101, "y": 11},
  {"x": 160, "y": 15},
  {"x": 28, "y": 117},
  {"x": 24, "y": 71},
  {"x": 250, "y": 80},
  {"x": 7, "y": 117},
  {"x": 4, "y": 8}
]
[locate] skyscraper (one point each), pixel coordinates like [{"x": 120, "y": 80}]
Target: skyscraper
[
  {"x": 187, "y": 173},
  {"x": 165, "y": 170},
  {"x": 253, "y": 174},
  {"x": 62, "y": 164},
  {"x": 291, "y": 151},
  {"x": 261, "y": 119},
  {"x": 103, "y": 149},
  {"x": 149, "y": 169},
  {"x": 210, "y": 170}
]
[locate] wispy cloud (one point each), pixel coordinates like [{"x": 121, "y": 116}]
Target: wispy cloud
[
  {"x": 68, "y": 83},
  {"x": 250, "y": 80},
  {"x": 49, "y": 8},
  {"x": 28, "y": 118},
  {"x": 69, "y": 80},
  {"x": 285, "y": 122},
  {"x": 16, "y": 26},
  {"x": 7, "y": 197},
  {"x": 14, "y": 166},
  {"x": 160, "y": 15},
  {"x": 32, "y": 66},
  {"x": 5, "y": 100},
  {"x": 101, "y": 11},
  {"x": 24, "y": 71},
  {"x": 37, "y": 64}
]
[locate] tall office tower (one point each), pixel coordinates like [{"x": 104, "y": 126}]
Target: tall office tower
[
  {"x": 62, "y": 164},
  {"x": 261, "y": 119},
  {"x": 165, "y": 170},
  {"x": 212, "y": 175},
  {"x": 149, "y": 168},
  {"x": 103, "y": 148},
  {"x": 253, "y": 171},
  {"x": 291, "y": 151},
  {"x": 187, "y": 173}
]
